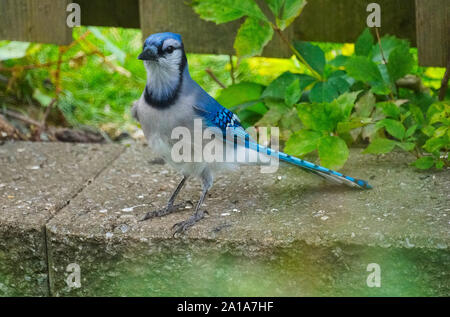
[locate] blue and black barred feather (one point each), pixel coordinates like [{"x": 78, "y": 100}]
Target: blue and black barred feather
[{"x": 219, "y": 117}]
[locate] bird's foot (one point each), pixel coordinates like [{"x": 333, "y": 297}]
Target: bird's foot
[
  {"x": 165, "y": 211},
  {"x": 182, "y": 226}
]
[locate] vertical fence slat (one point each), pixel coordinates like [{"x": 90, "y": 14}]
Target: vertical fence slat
[
  {"x": 433, "y": 32},
  {"x": 41, "y": 21}
]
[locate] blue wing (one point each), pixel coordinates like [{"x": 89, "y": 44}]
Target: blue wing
[{"x": 217, "y": 117}]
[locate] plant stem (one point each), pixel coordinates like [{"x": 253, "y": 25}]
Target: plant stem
[
  {"x": 391, "y": 95},
  {"x": 444, "y": 83},
  {"x": 233, "y": 79},
  {"x": 296, "y": 53},
  {"x": 211, "y": 74}
]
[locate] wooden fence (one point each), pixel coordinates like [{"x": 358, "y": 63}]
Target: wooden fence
[{"x": 426, "y": 23}]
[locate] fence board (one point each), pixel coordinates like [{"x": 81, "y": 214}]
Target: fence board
[
  {"x": 199, "y": 36},
  {"x": 35, "y": 21},
  {"x": 433, "y": 32}
]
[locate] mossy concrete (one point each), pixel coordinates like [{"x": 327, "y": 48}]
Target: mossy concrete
[
  {"x": 287, "y": 233},
  {"x": 36, "y": 181}
]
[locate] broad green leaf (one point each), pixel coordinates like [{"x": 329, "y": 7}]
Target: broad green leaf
[
  {"x": 400, "y": 62},
  {"x": 277, "y": 88},
  {"x": 312, "y": 54},
  {"x": 393, "y": 127},
  {"x": 364, "y": 106},
  {"x": 424, "y": 162},
  {"x": 389, "y": 109},
  {"x": 364, "y": 43},
  {"x": 346, "y": 102},
  {"x": 339, "y": 61},
  {"x": 439, "y": 112},
  {"x": 407, "y": 146},
  {"x": 363, "y": 69},
  {"x": 437, "y": 144},
  {"x": 347, "y": 126},
  {"x": 320, "y": 116},
  {"x": 340, "y": 84},
  {"x": 388, "y": 43},
  {"x": 222, "y": 11},
  {"x": 252, "y": 37},
  {"x": 333, "y": 151},
  {"x": 380, "y": 146},
  {"x": 411, "y": 130},
  {"x": 239, "y": 93},
  {"x": 441, "y": 131},
  {"x": 293, "y": 93},
  {"x": 276, "y": 111},
  {"x": 290, "y": 11},
  {"x": 323, "y": 92},
  {"x": 13, "y": 50},
  {"x": 302, "y": 142}
]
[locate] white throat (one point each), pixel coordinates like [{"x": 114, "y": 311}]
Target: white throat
[{"x": 163, "y": 78}]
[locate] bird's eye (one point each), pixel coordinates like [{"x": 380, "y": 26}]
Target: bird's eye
[{"x": 170, "y": 49}]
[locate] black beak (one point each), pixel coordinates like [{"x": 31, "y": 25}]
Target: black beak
[{"x": 147, "y": 55}]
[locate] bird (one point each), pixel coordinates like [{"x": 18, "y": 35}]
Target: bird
[{"x": 172, "y": 99}]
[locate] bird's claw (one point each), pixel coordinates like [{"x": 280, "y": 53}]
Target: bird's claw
[
  {"x": 182, "y": 226},
  {"x": 163, "y": 212}
]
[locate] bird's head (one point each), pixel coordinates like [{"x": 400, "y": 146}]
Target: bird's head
[{"x": 164, "y": 50}]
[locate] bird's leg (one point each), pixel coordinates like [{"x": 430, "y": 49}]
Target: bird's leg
[
  {"x": 207, "y": 181},
  {"x": 181, "y": 227},
  {"x": 170, "y": 205}
]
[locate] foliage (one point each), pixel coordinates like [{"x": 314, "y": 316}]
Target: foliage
[{"x": 339, "y": 102}]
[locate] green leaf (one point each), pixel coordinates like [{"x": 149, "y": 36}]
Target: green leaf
[
  {"x": 293, "y": 93},
  {"x": 339, "y": 61},
  {"x": 276, "y": 111},
  {"x": 364, "y": 106},
  {"x": 277, "y": 88},
  {"x": 436, "y": 144},
  {"x": 239, "y": 93},
  {"x": 393, "y": 127},
  {"x": 252, "y": 37},
  {"x": 388, "y": 43},
  {"x": 320, "y": 116},
  {"x": 312, "y": 54},
  {"x": 400, "y": 62},
  {"x": 347, "y": 126},
  {"x": 439, "y": 112},
  {"x": 363, "y": 69},
  {"x": 411, "y": 130},
  {"x": 364, "y": 43},
  {"x": 346, "y": 102},
  {"x": 380, "y": 146},
  {"x": 407, "y": 146},
  {"x": 290, "y": 11},
  {"x": 323, "y": 92},
  {"x": 302, "y": 142},
  {"x": 389, "y": 109},
  {"x": 222, "y": 11},
  {"x": 333, "y": 152},
  {"x": 424, "y": 162},
  {"x": 13, "y": 50}
]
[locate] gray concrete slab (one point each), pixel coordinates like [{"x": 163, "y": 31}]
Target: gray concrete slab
[
  {"x": 36, "y": 181},
  {"x": 287, "y": 233}
]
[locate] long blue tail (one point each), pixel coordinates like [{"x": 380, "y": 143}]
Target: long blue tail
[{"x": 311, "y": 167}]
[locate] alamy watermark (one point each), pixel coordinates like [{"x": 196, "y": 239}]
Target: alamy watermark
[
  {"x": 374, "y": 278},
  {"x": 73, "y": 279}
]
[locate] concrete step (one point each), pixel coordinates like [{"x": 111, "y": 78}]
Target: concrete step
[{"x": 287, "y": 233}]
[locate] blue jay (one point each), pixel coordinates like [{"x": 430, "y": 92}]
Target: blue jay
[{"x": 173, "y": 99}]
